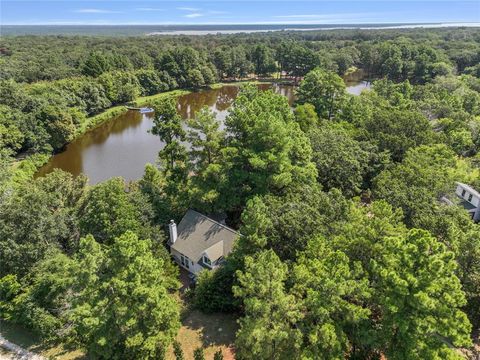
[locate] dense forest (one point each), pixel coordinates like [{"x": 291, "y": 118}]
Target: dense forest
[{"x": 347, "y": 251}]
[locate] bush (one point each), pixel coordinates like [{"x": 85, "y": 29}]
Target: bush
[
  {"x": 213, "y": 291},
  {"x": 18, "y": 307}
]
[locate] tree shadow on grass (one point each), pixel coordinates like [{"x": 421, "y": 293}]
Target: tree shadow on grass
[
  {"x": 215, "y": 329},
  {"x": 32, "y": 342},
  {"x": 19, "y": 335}
]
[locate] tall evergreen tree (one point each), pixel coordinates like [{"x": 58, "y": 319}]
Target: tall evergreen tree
[
  {"x": 266, "y": 150},
  {"x": 125, "y": 307},
  {"x": 167, "y": 125},
  {"x": 267, "y": 330}
]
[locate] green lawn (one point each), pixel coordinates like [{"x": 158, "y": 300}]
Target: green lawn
[
  {"x": 210, "y": 331},
  {"x": 27, "y": 340},
  {"x": 146, "y": 100}
]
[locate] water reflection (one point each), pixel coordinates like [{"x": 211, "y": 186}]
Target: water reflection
[
  {"x": 358, "y": 88},
  {"x": 122, "y": 146}
]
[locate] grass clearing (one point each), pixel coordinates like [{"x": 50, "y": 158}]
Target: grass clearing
[
  {"x": 147, "y": 100},
  {"x": 31, "y": 342},
  {"x": 210, "y": 331},
  {"x": 96, "y": 120}
]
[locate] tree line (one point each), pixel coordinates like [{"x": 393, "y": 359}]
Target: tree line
[
  {"x": 49, "y": 85},
  {"x": 346, "y": 249}
]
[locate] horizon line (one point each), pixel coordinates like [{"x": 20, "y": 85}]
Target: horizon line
[{"x": 251, "y": 23}]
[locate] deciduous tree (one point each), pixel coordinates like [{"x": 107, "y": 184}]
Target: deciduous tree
[{"x": 323, "y": 89}]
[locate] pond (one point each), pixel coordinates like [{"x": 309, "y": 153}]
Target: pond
[{"x": 122, "y": 146}]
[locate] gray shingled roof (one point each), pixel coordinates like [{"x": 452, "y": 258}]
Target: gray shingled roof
[{"x": 198, "y": 234}]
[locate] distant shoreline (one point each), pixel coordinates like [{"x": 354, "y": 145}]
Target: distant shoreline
[
  {"x": 315, "y": 28},
  {"x": 209, "y": 29}
]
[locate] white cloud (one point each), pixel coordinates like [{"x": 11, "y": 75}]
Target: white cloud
[
  {"x": 193, "y": 15},
  {"x": 97, "y": 11},
  {"x": 188, "y": 9}
]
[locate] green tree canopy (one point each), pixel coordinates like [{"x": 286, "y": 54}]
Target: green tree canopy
[
  {"x": 343, "y": 162},
  {"x": 96, "y": 64},
  {"x": 398, "y": 130},
  {"x": 37, "y": 217},
  {"x": 421, "y": 179},
  {"x": 167, "y": 125},
  {"x": 332, "y": 293},
  {"x": 266, "y": 330},
  {"x": 266, "y": 150},
  {"x": 414, "y": 287},
  {"x": 323, "y": 89},
  {"x": 124, "y": 307},
  {"x": 109, "y": 209}
]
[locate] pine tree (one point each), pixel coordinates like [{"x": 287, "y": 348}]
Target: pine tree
[
  {"x": 267, "y": 330},
  {"x": 124, "y": 307},
  {"x": 198, "y": 354},
  {"x": 167, "y": 124},
  {"x": 177, "y": 351},
  {"x": 218, "y": 355}
]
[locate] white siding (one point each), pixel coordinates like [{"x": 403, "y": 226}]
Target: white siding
[
  {"x": 476, "y": 201},
  {"x": 459, "y": 190},
  {"x": 193, "y": 267},
  {"x": 464, "y": 194}
]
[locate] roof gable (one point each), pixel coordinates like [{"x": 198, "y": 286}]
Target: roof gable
[
  {"x": 216, "y": 251},
  {"x": 198, "y": 234}
]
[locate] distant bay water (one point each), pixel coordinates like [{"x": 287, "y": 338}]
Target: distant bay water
[{"x": 139, "y": 30}]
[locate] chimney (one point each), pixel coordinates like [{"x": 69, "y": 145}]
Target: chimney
[{"x": 173, "y": 232}]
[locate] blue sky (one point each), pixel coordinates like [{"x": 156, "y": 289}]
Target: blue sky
[{"x": 235, "y": 12}]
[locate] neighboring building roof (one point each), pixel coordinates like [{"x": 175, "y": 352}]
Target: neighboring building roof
[
  {"x": 198, "y": 234},
  {"x": 469, "y": 189}
]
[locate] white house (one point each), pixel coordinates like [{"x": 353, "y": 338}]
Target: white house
[
  {"x": 199, "y": 242},
  {"x": 469, "y": 199}
]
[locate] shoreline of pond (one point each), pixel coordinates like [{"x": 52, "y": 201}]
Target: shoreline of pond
[
  {"x": 38, "y": 167},
  {"x": 28, "y": 165}
]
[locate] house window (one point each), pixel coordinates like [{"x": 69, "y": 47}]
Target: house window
[
  {"x": 470, "y": 198},
  {"x": 463, "y": 193},
  {"x": 207, "y": 261},
  {"x": 185, "y": 261}
]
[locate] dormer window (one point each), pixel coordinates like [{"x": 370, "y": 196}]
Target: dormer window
[
  {"x": 463, "y": 193},
  {"x": 470, "y": 198},
  {"x": 207, "y": 261}
]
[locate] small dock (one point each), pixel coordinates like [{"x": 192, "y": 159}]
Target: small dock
[{"x": 143, "y": 110}]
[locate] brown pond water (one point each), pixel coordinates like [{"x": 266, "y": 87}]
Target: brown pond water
[{"x": 122, "y": 146}]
